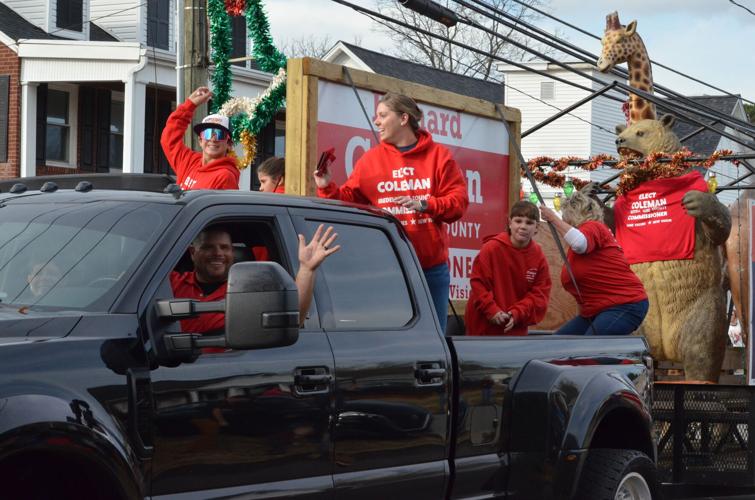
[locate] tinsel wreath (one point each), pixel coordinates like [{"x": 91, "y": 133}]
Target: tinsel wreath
[{"x": 247, "y": 125}]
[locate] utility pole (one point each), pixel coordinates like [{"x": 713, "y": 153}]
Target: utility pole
[{"x": 195, "y": 58}]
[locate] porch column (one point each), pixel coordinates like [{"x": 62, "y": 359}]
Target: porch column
[
  {"x": 134, "y": 105},
  {"x": 28, "y": 129}
]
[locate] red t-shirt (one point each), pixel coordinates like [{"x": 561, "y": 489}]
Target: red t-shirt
[
  {"x": 602, "y": 273},
  {"x": 646, "y": 216},
  {"x": 506, "y": 278},
  {"x": 185, "y": 286},
  {"x": 425, "y": 172}
]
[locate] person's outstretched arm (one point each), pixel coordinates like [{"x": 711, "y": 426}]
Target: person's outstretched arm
[
  {"x": 311, "y": 255},
  {"x": 172, "y": 138}
]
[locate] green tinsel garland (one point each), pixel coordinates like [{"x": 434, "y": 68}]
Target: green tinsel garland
[
  {"x": 268, "y": 57},
  {"x": 220, "y": 45}
]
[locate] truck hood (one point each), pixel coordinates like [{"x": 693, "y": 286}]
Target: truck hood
[{"x": 21, "y": 324}]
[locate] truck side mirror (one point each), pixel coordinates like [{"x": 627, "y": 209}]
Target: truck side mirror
[{"x": 261, "y": 306}]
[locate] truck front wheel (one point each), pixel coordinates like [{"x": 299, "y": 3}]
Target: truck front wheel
[{"x": 610, "y": 474}]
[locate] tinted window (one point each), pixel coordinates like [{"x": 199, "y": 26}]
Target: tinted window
[
  {"x": 365, "y": 280},
  {"x": 73, "y": 256}
]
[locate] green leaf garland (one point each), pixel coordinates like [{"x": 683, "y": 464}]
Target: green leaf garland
[{"x": 267, "y": 56}]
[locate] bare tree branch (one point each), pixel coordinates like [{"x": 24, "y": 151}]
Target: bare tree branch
[{"x": 423, "y": 49}]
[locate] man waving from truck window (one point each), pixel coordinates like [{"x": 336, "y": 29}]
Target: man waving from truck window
[
  {"x": 212, "y": 255},
  {"x": 213, "y": 168}
]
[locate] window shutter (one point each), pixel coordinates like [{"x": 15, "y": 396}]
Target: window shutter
[
  {"x": 158, "y": 24},
  {"x": 69, "y": 14},
  {"x": 41, "y": 124},
  {"x": 86, "y": 127},
  {"x": 4, "y": 96}
]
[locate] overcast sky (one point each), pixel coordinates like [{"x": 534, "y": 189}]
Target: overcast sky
[{"x": 712, "y": 40}]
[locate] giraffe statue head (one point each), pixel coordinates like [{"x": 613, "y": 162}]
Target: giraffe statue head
[{"x": 623, "y": 44}]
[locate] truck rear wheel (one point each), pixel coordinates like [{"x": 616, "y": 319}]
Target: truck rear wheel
[{"x": 610, "y": 474}]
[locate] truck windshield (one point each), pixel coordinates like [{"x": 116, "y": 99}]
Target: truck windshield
[{"x": 75, "y": 255}]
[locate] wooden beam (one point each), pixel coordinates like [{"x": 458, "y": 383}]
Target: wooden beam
[
  {"x": 301, "y": 130},
  {"x": 422, "y": 93}
]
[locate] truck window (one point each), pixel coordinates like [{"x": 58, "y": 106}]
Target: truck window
[
  {"x": 73, "y": 256},
  {"x": 365, "y": 280}
]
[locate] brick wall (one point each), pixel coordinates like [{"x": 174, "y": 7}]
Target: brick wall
[{"x": 10, "y": 65}]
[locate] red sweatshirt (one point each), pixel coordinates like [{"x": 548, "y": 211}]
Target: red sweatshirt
[
  {"x": 426, "y": 172},
  {"x": 190, "y": 170},
  {"x": 509, "y": 279},
  {"x": 602, "y": 273}
]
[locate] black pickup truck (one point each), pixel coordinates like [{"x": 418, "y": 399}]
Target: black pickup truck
[{"x": 103, "y": 396}]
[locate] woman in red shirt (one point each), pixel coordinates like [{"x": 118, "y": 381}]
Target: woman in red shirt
[
  {"x": 415, "y": 179},
  {"x": 611, "y": 299}
]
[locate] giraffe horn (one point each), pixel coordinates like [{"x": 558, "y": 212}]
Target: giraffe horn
[{"x": 612, "y": 21}]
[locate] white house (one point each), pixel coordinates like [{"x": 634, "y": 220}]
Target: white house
[{"x": 94, "y": 81}]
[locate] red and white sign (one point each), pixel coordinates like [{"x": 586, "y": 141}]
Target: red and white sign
[
  {"x": 651, "y": 223},
  {"x": 479, "y": 145}
]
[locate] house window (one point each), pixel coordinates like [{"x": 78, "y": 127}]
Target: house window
[
  {"x": 70, "y": 14},
  {"x": 158, "y": 23},
  {"x": 547, "y": 90},
  {"x": 238, "y": 30},
  {"x": 116, "y": 135},
  {"x": 58, "y": 126}
]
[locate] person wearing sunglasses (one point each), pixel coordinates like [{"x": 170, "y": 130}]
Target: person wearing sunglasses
[{"x": 213, "y": 168}]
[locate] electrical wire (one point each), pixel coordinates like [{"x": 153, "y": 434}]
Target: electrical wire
[
  {"x": 742, "y": 7},
  {"x": 585, "y": 56},
  {"x": 660, "y": 65},
  {"x": 66, "y": 28}
]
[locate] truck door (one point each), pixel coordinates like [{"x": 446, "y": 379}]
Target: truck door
[
  {"x": 393, "y": 373},
  {"x": 244, "y": 423}
]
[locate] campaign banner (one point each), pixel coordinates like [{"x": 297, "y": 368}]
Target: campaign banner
[
  {"x": 651, "y": 223},
  {"x": 479, "y": 145}
]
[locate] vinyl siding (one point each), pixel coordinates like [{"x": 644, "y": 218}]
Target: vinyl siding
[
  {"x": 34, "y": 11},
  {"x": 123, "y": 25}
]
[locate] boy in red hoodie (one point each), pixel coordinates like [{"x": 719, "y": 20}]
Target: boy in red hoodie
[
  {"x": 510, "y": 279},
  {"x": 210, "y": 169}
]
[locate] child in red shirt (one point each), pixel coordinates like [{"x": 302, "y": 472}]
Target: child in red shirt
[{"x": 510, "y": 279}]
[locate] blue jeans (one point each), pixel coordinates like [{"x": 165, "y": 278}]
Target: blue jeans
[
  {"x": 617, "y": 320},
  {"x": 438, "y": 280}
]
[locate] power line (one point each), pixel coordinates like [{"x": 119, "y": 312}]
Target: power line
[
  {"x": 576, "y": 52},
  {"x": 90, "y": 21},
  {"x": 507, "y": 85},
  {"x": 742, "y": 7},
  {"x": 591, "y": 35}
]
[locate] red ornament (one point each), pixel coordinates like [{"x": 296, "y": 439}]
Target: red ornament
[{"x": 235, "y": 7}]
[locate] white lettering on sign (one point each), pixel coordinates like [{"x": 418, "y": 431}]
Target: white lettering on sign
[
  {"x": 460, "y": 267},
  {"x": 354, "y": 143},
  {"x": 460, "y": 229},
  {"x": 474, "y": 186}
]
